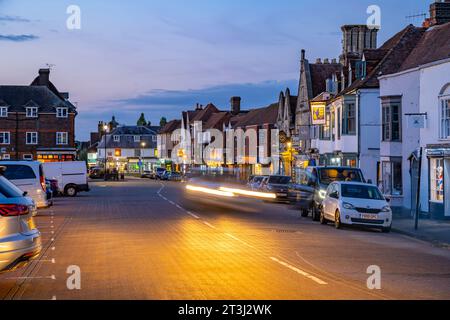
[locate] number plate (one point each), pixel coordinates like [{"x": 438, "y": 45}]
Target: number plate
[
  {"x": 370, "y": 216},
  {"x": 282, "y": 194}
]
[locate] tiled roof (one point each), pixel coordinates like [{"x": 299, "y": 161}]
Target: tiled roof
[
  {"x": 127, "y": 134},
  {"x": 261, "y": 116},
  {"x": 17, "y": 97},
  {"x": 433, "y": 46},
  {"x": 320, "y": 72},
  {"x": 203, "y": 115},
  {"x": 217, "y": 120},
  {"x": 171, "y": 126}
]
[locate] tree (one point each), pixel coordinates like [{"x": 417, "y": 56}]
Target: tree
[
  {"x": 142, "y": 121},
  {"x": 163, "y": 122}
]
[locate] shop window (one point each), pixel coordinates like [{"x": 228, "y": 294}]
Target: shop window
[
  {"x": 392, "y": 177},
  {"x": 437, "y": 180}
]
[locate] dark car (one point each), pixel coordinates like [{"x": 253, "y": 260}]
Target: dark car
[
  {"x": 278, "y": 185},
  {"x": 146, "y": 174},
  {"x": 255, "y": 182},
  {"x": 159, "y": 173},
  {"x": 97, "y": 173},
  {"x": 175, "y": 176},
  {"x": 312, "y": 184}
]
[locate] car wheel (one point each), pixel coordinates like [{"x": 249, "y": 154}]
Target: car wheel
[
  {"x": 323, "y": 220},
  {"x": 386, "y": 230},
  {"x": 71, "y": 191},
  {"x": 315, "y": 213},
  {"x": 337, "y": 220},
  {"x": 305, "y": 213}
]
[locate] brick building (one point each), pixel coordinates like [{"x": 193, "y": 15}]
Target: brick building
[{"x": 37, "y": 122}]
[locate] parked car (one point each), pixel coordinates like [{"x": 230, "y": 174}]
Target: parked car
[
  {"x": 255, "y": 182},
  {"x": 71, "y": 176},
  {"x": 146, "y": 174},
  {"x": 20, "y": 240},
  {"x": 29, "y": 177},
  {"x": 96, "y": 173},
  {"x": 314, "y": 181},
  {"x": 278, "y": 185},
  {"x": 350, "y": 203},
  {"x": 175, "y": 176},
  {"x": 159, "y": 173}
]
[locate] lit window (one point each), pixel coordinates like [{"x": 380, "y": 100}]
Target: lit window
[
  {"x": 62, "y": 112},
  {"x": 3, "y": 112},
  {"x": 5, "y": 138},
  {"x": 32, "y": 138},
  {"x": 32, "y": 112},
  {"x": 62, "y": 138},
  {"x": 437, "y": 180}
]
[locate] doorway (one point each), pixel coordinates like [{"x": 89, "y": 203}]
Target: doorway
[{"x": 447, "y": 187}]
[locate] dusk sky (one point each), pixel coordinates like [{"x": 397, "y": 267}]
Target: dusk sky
[{"x": 161, "y": 57}]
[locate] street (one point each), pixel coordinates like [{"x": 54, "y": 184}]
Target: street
[{"x": 142, "y": 239}]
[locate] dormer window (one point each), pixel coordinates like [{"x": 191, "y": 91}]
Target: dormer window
[
  {"x": 3, "y": 112},
  {"x": 116, "y": 138},
  {"x": 62, "y": 112},
  {"x": 137, "y": 138},
  {"x": 32, "y": 112},
  {"x": 361, "y": 69}
]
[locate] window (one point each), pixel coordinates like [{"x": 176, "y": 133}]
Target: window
[
  {"x": 32, "y": 112},
  {"x": 361, "y": 70},
  {"x": 154, "y": 138},
  {"x": 3, "y": 112},
  {"x": 324, "y": 133},
  {"x": 116, "y": 138},
  {"x": 62, "y": 138},
  {"x": 137, "y": 138},
  {"x": 5, "y": 138},
  {"x": 392, "y": 183},
  {"x": 6, "y": 157},
  {"x": 28, "y": 157},
  {"x": 32, "y": 138},
  {"x": 445, "y": 119},
  {"x": 62, "y": 113},
  {"x": 349, "y": 119},
  {"x": 391, "y": 117},
  {"x": 19, "y": 172},
  {"x": 437, "y": 180}
]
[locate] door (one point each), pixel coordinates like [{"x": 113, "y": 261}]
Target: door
[
  {"x": 447, "y": 187},
  {"x": 328, "y": 203}
]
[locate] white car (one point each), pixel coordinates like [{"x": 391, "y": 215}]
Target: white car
[
  {"x": 351, "y": 203},
  {"x": 71, "y": 176},
  {"x": 29, "y": 177}
]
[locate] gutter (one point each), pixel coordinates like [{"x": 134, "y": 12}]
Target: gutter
[{"x": 428, "y": 65}]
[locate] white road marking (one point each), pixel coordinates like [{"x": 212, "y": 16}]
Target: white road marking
[
  {"x": 239, "y": 240},
  {"x": 192, "y": 215},
  {"x": 303, "y": 273},
  {"x": 179, "y": 207},
  {"x": 209, "y": 225}
]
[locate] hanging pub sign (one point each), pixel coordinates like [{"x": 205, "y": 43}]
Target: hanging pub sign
[{"x": 318, "y": 113}]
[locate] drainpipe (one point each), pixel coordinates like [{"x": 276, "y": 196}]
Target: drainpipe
[{"x": 358, "y": 100}]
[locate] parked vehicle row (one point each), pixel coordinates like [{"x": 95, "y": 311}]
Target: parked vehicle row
[
  {"x": 337, "y": 194},
  {"x": 162, "y": 174}
]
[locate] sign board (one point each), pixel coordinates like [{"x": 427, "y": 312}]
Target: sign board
[
  {"x": 318, "y": 114},
  {"x": 417, "y": 121}
]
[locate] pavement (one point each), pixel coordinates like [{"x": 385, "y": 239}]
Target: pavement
[
  {"x": 433, "y": 231},
  {"x": 142, "y": 239}
]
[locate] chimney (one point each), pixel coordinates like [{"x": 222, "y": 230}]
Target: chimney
[
  {"x": 319, "y": 61},
  {"x": 326, "y": 61},
  {"x": 334, "y": 61},
  {"x": 303, "y": 55},
  {"x": 235, "y": 105},
  {"x": 44, "y": 77},
  {"x": 439, "y": 13}
]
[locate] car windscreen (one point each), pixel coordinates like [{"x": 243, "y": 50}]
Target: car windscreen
[
  {"x": 329, "y": 175},
  {"x": 8, "y": 190},
  {"x": 18, "y": 172},
  {"x": 279, "y": 180},
  {"x": 361, "y": 192}
]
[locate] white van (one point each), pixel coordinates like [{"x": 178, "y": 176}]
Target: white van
[
  {"x": 29, "y": 177},
  {"x": 72, "y": 176}
]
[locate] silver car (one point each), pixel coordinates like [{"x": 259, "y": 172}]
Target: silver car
[{"x": 20, "y": 241}]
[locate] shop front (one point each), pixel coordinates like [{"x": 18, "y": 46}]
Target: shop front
[
  {"x": 56, "y": 156},
  {"x": 339, "y": 159},
  {"x": 439, "y": 181}
]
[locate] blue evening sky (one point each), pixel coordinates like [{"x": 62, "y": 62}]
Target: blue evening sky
[{"x": 160, "y": 57}]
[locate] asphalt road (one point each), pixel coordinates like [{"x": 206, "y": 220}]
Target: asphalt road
[{"x": 142, "y": 239}]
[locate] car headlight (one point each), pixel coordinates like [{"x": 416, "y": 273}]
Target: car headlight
[
  {"x": 322, "y": 194},
  {"x": 386, "y": 209},
  {"x": 348, "y": 206}
]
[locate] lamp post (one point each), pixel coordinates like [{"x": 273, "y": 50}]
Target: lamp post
[
  {"x": 143, "y": 144},
  {"x": 105, "y": 128}
]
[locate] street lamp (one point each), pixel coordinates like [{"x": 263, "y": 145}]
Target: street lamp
[
  {"x": 105, "y": 128},
  {"x": 143, "y": 145}
]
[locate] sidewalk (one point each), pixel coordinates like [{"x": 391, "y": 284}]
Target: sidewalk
[{"x": 436, "y": 232}]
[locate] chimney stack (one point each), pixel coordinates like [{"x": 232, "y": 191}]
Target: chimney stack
[
  {"x": 319, "y": 61},
  {"x": 334, "y": 61},
  {"x": 44, "y": 77},
  {"x": 439, "y": 13},
  {"x": 326, "y": 61},
  {"x": 235, "y": 105}
]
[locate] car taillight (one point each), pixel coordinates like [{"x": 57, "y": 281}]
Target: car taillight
[
  {"x": 44, "y": 187},
  {"x": 13, "y": 210}
]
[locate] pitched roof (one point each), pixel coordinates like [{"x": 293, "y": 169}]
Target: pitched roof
[
  {"x": 171, "y": 126},
  {"x": 217, "y": 120},
  {"x": 320, "y": 72},
  {"x": 127, "y": 141},
  {"x": 205, "y": 113},
  {"x": 17, "y": 97},
  {"x": 267, "y": 115},
  {"x": 433, "y": 46},
  {"x": 395, "y": 51}
]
